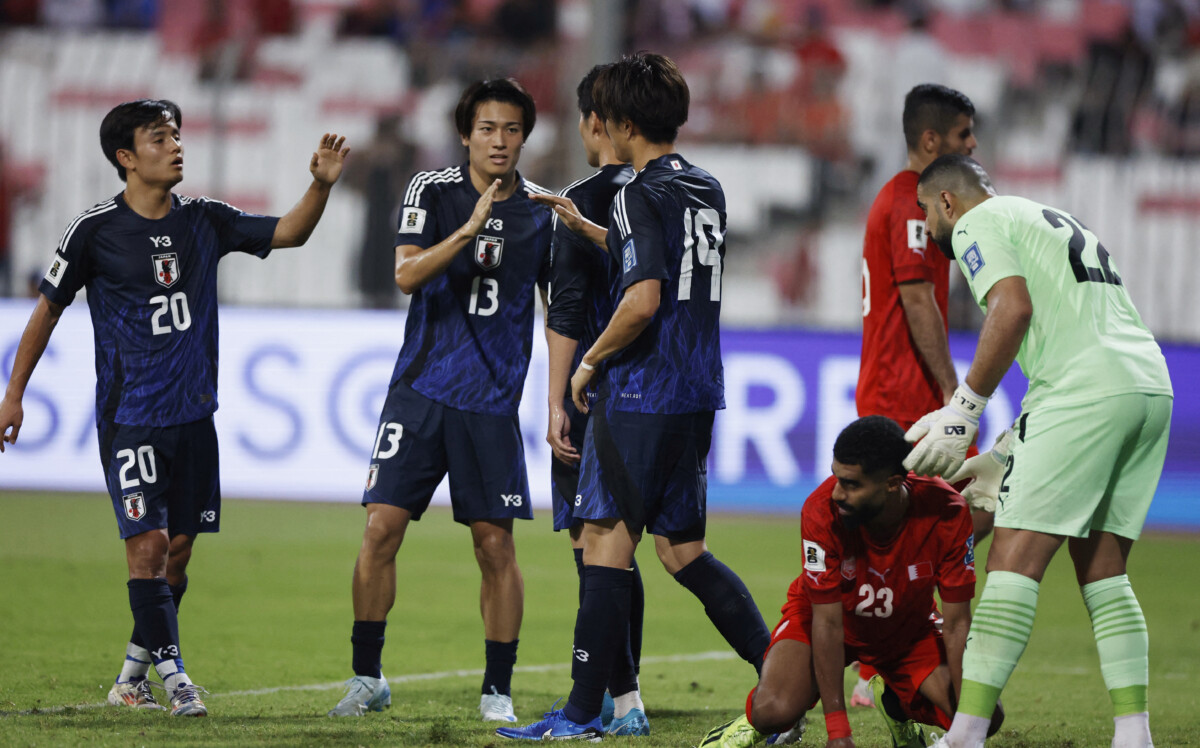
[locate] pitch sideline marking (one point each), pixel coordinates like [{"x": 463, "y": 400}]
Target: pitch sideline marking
[{"x": 414, "y": 678}]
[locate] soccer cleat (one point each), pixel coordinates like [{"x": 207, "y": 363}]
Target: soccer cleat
[
  {"x": 496, "y": 707},
  {"x": 905, "y": 734},
  {"x": 736, "y": 733},
  {"x": 185, "y": 701},
  {"x": 862, "y": 694},
  {"x": 134, "y": 692},
  {"x": 555, "y": 726},
  {"x": 791, "y": 736},
  {"x": 363, "y": 694},
  {"x": 633, "y": 723},
  {"x": 942, "y": 742}
]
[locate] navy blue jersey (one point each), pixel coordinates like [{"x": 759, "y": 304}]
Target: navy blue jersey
[
  {"x": 470, "y": 330},
  {"x": 152, "y": 291},
  {"x": 668, "y": 224},
  {"x": 583, "y": 276}
]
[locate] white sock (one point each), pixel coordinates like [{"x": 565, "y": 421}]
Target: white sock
[
  {"x": 1132, "y": 731},
  {"x": 967, "y": 730},
  {"x": 626, "y": 702},
  {"x": 171, "y": 675},
  {"x": 136, "y": 665}
]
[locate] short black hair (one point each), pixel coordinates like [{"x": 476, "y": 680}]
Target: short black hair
[
  {"x": 873, "y": 443},
  {"x": 955, "y": 173},
  {"x": 647, "y": 90},
  {"x": 932, "y": 106},
  {"x": 122, "y": 121},
  {"x": 583, "y": 92},
  {"x": 506, "y": 90}
]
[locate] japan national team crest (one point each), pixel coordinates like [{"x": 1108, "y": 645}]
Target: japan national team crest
[
  {"x": 166, "y": 269},
  {"x": 372, "y": 476},
  {"x": 135, "y": 506},
  {"x": 488, "y": 250}
]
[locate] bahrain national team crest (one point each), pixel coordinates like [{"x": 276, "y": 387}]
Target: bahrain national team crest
[
  {"x": 135, "y": 506},
  {"x": 488, "y": 250},
  {"x": 166, "y": 269}
]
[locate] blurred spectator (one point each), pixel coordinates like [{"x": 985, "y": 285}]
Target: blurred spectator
[
  {"x": 72, "y": 14},
  {"x": 18, "y": 12},
  {"x": 223, "y": 45},
  {"x": 525, "y": 22},
  {"x": 6, "y": 199},
  {"x": 132, "y": 14},
  {"x": 1119, "y": 73},
  {"x": 379, "y": 172}
]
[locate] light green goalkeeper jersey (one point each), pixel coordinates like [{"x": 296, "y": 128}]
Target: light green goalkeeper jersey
[{"x": 1085, "y": 340}]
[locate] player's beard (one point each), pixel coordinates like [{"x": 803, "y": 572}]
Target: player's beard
[
  {"x": 861, "y": 516},
  {"x": 944, "y": 240}
]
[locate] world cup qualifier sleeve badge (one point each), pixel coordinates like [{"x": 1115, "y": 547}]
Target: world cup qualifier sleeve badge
[
  {"x": 135, "y": 506},
  {"x": 488, "y": 251},
  {"x": 166, "y": 269}
]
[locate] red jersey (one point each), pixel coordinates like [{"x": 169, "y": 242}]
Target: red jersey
[
  {"x": 886, "y": 590},
  {"x": 893, "y": 380}
]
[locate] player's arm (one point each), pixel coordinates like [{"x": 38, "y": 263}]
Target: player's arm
[
  {"x": 562, "y": 351},
  {"x": 416, "y": 266},
  {"x": 573, "y": 219},
  {"x": 637, "y": 308},
  {"x": 928, "y": 331},
  {"x": 1009, "y": 311},
  {"x": 829, "y": 660},
  {"x": 297, "y": 224},
  {"x": 956, "y": 622},
  {"x": 29, "y": 351}
]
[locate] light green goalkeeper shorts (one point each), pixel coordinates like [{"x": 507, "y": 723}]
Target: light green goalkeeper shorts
[{"x": 1079, "y": 468}]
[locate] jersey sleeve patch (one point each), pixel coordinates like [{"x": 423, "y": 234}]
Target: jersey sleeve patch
[
  {"x": 814, "y": 556},
  {"x": 57, "y": 269},
  {"x": 412, "y": 221},
  {"x": 629, "y": 255},
  {"x": 973, "y": 259},
  {"x": 917, "y": 240}
]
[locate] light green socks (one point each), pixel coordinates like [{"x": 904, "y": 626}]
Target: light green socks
[
  {"x": 999, "y": 632},
  {"x": 1122, "y": 640}
]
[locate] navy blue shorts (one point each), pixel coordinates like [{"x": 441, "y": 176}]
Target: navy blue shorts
[
  {"x": 419, "y": 441},
  {"x": 648, "y": 469},
  {"x": 564, "y": 478},
  {"x": 162, "y": 476}
]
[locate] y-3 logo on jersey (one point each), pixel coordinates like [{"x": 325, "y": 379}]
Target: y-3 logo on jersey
[
  {"x": 160, "y": 241},
  {"x": 166, "y": 268},
  {"x": 495, "y": 224}
]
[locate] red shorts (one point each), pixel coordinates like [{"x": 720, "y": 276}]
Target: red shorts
[{"x": 904, "y": 671}]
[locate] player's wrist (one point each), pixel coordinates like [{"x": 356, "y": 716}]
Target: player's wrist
[
  {"x": 586, "y": 366},
  {"x": 968, "y": 403},
  {"x": 837, "y": 724}
]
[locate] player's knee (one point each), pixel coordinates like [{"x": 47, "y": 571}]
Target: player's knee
[
  {"x": 495, "y": 551},
  {"x": 771, "y": 711}
]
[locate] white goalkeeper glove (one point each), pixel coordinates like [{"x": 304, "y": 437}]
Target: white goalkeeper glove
[
  {"x": 985, "y": 472},
  {"x": 947, "y": 433}
]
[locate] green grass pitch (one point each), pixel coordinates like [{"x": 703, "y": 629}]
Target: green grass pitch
[{"x": 266, "y": 628}]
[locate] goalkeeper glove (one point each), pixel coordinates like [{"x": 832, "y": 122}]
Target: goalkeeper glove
[
  {"x": 985, "y": 472},
  {"x": 947, "y": 432}
]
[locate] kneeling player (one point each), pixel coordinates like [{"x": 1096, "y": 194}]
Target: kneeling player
[{"x": 877, "y": 541}]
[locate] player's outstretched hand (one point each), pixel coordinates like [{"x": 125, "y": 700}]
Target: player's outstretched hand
[
  {"x": 985, "y": 471},
  {"x": 556, "y": 436},
  {"x": 327, "y": 160},
  {"x": 565, "y": 208},
  {"x": 11, "y": 416},
  {"x": 579, "y": 384},
  {"x": 483, "y": 210},
  {"x": 944, "y": 435}
]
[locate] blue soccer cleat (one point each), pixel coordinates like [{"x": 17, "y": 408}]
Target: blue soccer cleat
[
  {"x": 633, "y": 723},
  {"x": 608, "y": 707},
  {"x": 555, "y": 726}
]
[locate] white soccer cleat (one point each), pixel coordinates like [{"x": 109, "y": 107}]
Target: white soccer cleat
[
  {"x": 185, "y": 701},
  {"x": 862, "y": 694},
  {"x": 496, "y": 707},
  {"x": 942, "y": 742},
  {"x": 135, "y": 693},
  {"x": 363, "y": 694}
]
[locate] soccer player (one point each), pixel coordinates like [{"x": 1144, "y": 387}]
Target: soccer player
[
  {"x": 148, "y": 259},
  {"x": 906, "y": 369},
  {"x": 1088, "y": 447},
  {"x": 644, "y": 458},
  {"x": 470, "y": 249},
  {"x": 877, "y": 541},
  {"x": 582, "y": 276}
]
